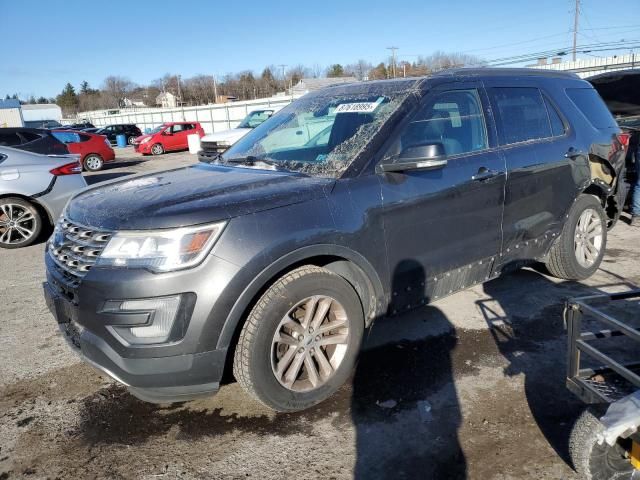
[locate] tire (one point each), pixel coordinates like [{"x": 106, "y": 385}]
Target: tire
[
  {"x": 566, "y": 259},
  {"x": 157, "y": 149},
  {"x": 130, "y": 140},
  {"x": 17, "y": 217},
  {"x": 259, "y": 355},
  {"x": 593, "y": 461},
  {"x": 93, "y": 162}
]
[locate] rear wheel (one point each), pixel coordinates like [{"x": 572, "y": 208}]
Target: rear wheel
[
  {"x": 157, "y": 149},
  {"x": 578, "y": 252},
  {"x": 300, "y": 341},
  {"x": 93, "y": 162},
  {"x": 593, "y": 461},
  {"x": 20, "y": 223}
]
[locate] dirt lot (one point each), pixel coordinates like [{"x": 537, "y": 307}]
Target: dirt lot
[{"x": 470, "y": 387}]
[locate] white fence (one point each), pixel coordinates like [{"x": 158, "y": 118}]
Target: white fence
[
  {"x": 594, "y": 66},
  {"x": 213, "y": 118}
]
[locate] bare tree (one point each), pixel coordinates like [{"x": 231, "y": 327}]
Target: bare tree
[{"x": 115, "y": 90}]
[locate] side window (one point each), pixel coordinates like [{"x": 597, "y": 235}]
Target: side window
[
  {"x": 522, "y": 114},
  {"x": 67, "y": 137},
  {"x": 84, "y": 138},
  {"x": 557, "y": 125},
  {"x": 9, "y": 139},
  {"x": 452, "y": 118},
  {"x": 592, "y": 106},
  {"x": 177, "y": 128}
]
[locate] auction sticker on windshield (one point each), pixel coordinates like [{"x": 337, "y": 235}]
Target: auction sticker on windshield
[{"x": 359, "y": 107}]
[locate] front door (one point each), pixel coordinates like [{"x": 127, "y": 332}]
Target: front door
[{"x": 443, "y": 226}]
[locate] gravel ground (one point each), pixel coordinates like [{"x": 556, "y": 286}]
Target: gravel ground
[{"x": 469, "y": 387}]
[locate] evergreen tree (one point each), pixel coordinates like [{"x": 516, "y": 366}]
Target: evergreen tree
[{"x": 68, "y": 99}]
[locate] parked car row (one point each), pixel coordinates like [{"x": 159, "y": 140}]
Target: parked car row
[{"x": 353, "y": 202}]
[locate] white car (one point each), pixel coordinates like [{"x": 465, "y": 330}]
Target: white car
[{"x": 214, "y": 144}]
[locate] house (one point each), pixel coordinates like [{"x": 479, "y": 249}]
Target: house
[
  {"x": 133, "y": 102},
  {"x": 167, "y": 100},
  {"x": 306, "y": 85}
]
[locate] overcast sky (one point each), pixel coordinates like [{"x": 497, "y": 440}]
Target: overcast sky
[{"x": 49, "y": 43}]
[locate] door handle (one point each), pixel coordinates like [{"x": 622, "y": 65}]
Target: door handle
[
  {"x": 485, "y": 173},
  {"x": 573, "y": 153}
]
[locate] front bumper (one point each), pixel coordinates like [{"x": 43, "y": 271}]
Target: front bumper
[
  {"x": 143, "y": 148},
  {"x": 180, "y": 369}
]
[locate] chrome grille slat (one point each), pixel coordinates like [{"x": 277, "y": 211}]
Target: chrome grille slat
[{"x": 75, "y": 248}]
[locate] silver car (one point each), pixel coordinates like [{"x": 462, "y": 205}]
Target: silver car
[{"x": 34, "y": 189}]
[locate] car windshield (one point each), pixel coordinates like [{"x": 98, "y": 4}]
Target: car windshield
[
  {"x": 322, "y": 133},
  {"x": 255, "y": 118},
  {"x": 158, "y": 129}
]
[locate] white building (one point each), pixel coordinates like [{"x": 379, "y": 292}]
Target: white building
[
  {"x": 10, "y": 113},
  {"x": 167, "y": 100}
]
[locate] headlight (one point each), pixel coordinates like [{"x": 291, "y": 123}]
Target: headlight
[
  {"x": 161, "y": 250},
  {"x": 145, "y": 140}
]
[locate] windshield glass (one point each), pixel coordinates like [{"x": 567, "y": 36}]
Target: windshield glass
[
  {"x": 322, "y": 133},
  {"x": 158, "y": 129},
  {"x": 255, "y": 118}
]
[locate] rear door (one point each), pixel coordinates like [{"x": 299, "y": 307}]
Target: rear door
[{"x": 535, "y": 138}]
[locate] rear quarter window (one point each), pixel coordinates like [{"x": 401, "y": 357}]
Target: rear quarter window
[
  {"x": 592, "y": 107},
  {"x": 9, "y": 139}
]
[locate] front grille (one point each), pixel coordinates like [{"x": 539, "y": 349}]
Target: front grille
[
  {"x": 75, "y": 248},
  {"x": 214, "y": 147}
]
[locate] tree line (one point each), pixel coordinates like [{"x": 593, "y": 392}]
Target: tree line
[{"x": 119, "y": 92}]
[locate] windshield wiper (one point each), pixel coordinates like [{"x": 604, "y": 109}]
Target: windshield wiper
[{"x": 253, "y": 161}]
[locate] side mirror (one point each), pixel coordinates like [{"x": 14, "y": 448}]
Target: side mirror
[
  {"x": 417, "y": 157},
  {"x": 167, "y": 133}
]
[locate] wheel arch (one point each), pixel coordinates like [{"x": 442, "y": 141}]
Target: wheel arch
[
  {"x": 350, "y": 265},
  {"x": 46, "y": 215},
  {"x": 607, "y": 199}
]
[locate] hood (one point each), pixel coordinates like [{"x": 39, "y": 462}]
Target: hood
[
  {"x": 142, "y": 137},
  {"x": 189, "y": 196},
  {"x": 620, "y": 91},
  {"x": 230, "y": 136}
]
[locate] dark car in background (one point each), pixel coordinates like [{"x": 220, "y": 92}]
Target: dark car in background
[
  {"x": 276, "y": 257},
  {"x": 129, "y": 130},
  {"x": 621, "y": 93},
  {"x": 35, "y": 140}
]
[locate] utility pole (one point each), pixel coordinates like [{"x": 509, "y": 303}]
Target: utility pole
[
  {"x": 215, "y": 90},
  {"x": 284, "y": 77},
  {"x": 393, "y": 59},
  {"x": 575, "y": 28}
]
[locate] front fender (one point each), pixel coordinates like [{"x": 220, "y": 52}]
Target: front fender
[{"x": 272, "y": 271}]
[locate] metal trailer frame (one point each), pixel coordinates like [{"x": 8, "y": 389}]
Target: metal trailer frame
[{"x": 613, "y": 380}]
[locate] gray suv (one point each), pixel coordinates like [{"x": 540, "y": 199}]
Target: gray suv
[{"x": 352, "y": 203}]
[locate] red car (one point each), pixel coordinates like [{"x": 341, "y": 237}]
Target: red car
[
  {"x": 167, "y": 137},
  {"x": 93, "y": 149}
]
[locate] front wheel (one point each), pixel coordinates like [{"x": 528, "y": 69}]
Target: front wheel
[
  {"x": 578, "y": 251},
  {"x": 130, "y": 140},
  {"x": 300, "y": 341},
  {"x": 157, "y": 149},
  {"x": 593, "y": 461}
]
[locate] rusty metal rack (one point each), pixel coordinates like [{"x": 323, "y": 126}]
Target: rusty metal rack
[{"x": 612, "y": 380}]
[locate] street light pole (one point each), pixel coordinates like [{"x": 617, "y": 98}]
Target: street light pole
[{"x": 575, "y": 28}]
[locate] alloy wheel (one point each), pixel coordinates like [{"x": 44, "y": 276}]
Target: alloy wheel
[
  {"x": 588, "y": 238},
  {"x": 93, "y": 162},
  {"x": 310, "y": 343},
  {"x": 17, "y": 224}
]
